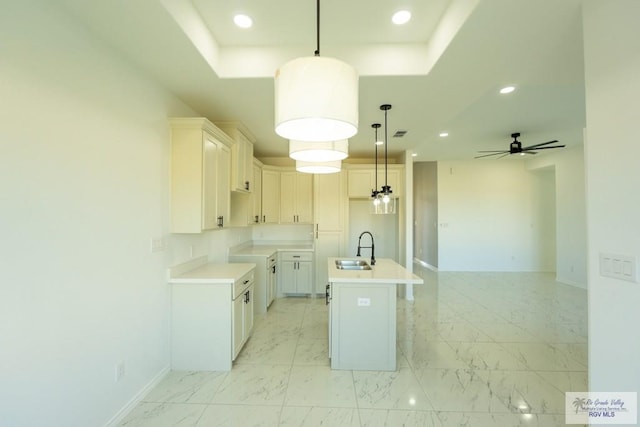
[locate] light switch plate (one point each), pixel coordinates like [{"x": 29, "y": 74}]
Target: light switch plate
[{"x": 623, "y": 267}]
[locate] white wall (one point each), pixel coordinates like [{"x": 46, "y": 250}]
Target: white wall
[
  {"x": 612, "y": 78},
  {"x": 84, "y": 186},
  {"x": 489, "y": 217},
  {"x": 383, "y": 227},
  {"x": 571, "y": 228}
]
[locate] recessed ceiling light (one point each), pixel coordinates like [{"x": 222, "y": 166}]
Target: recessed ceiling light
[
  {"x": 507, "y": 89},
  {"x": 401, "y": 17},
  {"x": 242, "y": 21},
  {"x": 414, "y": 154},
  {"x": 444, "y": 134}
]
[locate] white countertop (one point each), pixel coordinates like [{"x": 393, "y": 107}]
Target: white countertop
[
  {"x": 385, "y": 271},
  {"x": 212, "y": 273},
  {"x": 270, "y": 249}
]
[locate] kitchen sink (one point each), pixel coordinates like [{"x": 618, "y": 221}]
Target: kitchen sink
[{"x": 352, "y": 264}]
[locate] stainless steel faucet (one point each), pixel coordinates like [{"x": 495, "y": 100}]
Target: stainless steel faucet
[{"x": 373, "y": 257}]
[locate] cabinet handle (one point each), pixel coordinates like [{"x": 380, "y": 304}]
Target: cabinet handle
[
  {"x": 264, "y": 219},
  {"x": 247, "y": 297},
  {"x": 220, "y": 221},
  {"x": 245, "y": 282},
  {"x": 296, "y": 256},
  {"x": 326, "y": 294},
  {"x": 246, "y": 185},
  {"x": 316, "y": 231},
  {"x": 274, "y": 269}
]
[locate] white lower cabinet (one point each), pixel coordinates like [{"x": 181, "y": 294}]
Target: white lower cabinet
[
  {"x": 296, "y": 272},
  {"x": 242, "y": 318},
  {"x": 210, "y": 321},
  {"x": 264, "y": 286}
]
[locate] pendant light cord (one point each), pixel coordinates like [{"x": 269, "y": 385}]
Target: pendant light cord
[
  {"x": 317, "y": 52},
  {"x": 376, "y": 144},
  {"x": 385, "y": 189},
  {"x": 385, "y": 149}
]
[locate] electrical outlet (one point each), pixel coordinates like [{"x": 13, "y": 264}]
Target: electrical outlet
[
  {"x": 157, "y": 244},
  {"x": 120, "y": 371}
]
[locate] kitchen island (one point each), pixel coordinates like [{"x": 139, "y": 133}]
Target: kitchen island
[{"x": 362, "y": 314}]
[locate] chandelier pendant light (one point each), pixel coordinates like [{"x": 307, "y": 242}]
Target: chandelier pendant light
[
  {"x": 376, "y": 197},
  {"x": 316, "y": 98},
  {"x": 387, "y": 203}
]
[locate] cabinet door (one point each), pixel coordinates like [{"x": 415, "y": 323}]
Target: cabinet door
[
  {"x": 287, "y": 277},
  {"x": 270, "y": 196},
  {"x": 255, "y": 213},
  {"x": 223, "y": 177},
  {"x": 327, "y": 244},
  {"x": 238, "y": 324},
  {"x": 329, "y": 201},
  {"x": 304, "y": 277},
  {"x": 288, "y": 196},
  {"x": 361, "y": 182},
  {"x": 304, "y": 198},
  {"x": 209, "y": 184},
  {"x": 248, "y": 313}
]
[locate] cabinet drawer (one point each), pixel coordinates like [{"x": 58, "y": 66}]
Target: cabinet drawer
[
  {"x": 242, "y": 283},
  {"x": 296, "y": 256}
]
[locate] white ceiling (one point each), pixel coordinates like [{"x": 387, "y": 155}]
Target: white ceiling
[{"x": 441, "y": 72}]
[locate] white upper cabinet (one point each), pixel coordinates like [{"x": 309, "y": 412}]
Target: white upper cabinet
[
  {"x": 296, "y": 198},
  {"x": 255, "y": 212},
  {"x": 362, "y": 180},
  {"x": 241, "y": 156},
  {"x": 200, "y": 175},
  {"x": 270, "y": 195}
]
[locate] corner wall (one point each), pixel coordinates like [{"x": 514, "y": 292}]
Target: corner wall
[
  {"x": 84, "y": 187},
  {"x": 612, "y": 79}
]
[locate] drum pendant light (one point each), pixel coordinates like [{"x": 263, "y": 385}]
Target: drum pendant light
[
  {"x": 319, "y": 151},
  {"x": 318, "y": 167},
  {"x": 316, "y": 99}
]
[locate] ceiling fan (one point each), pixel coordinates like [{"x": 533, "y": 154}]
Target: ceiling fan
[{"x": 516, "y": 148}]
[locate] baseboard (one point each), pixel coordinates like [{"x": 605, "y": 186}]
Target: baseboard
[
  {"x": 124, "y": 411},
  {"x": 571, "y": 283}
]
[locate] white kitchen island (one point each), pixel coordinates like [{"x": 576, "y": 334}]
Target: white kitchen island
[{"x": 362, "y": 314}]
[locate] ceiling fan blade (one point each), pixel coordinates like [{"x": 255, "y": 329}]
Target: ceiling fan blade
[
  {"x": 546, "y": 148},
  {"x": 492, "y": 154},
  {"x": 493, "y": 151},
  {"x": 540, "y": 145},
  {"x": 505, "y": 154}
]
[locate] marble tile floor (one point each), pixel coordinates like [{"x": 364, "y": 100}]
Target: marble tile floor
[{"x": 474, "y": 349}]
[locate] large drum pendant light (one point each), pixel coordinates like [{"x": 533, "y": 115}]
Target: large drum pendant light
[{"x": 316, "y": 98}]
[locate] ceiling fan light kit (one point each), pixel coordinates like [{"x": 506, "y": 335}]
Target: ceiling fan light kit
[{"x": 515, "y": 147}]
